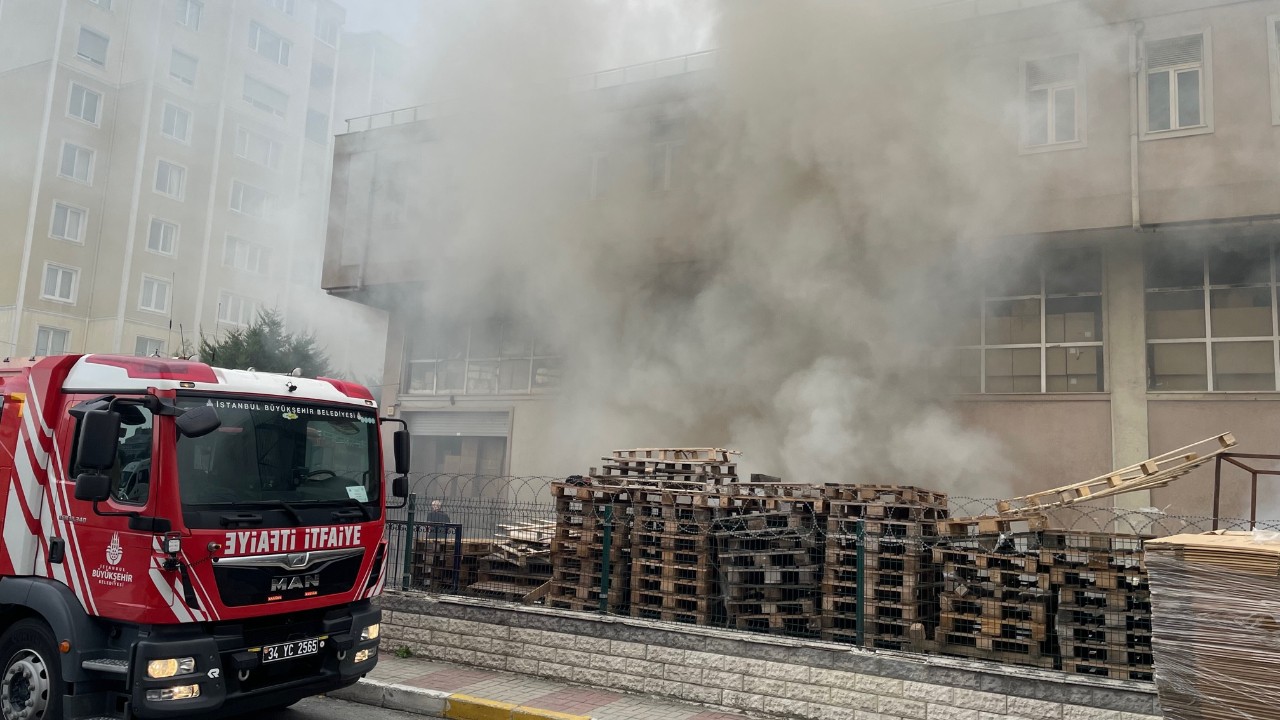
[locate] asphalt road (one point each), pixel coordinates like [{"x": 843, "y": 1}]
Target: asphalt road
[{"x": 318, "y": 708}]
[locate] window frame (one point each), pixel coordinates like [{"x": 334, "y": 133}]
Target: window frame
[
  {"x": 164, "y": 109},
  {"x": 284, "y": 7},
  {"x": 1205, "y": 66},
  {"x": 183, "y": 14},
  {"x": 89, "y": 171},
  {"x": 173, "y": 75},
  {"x": 284, "y": 48},
  {"x": 532, "y": 358},
  {"x": 1209, "y": 340},
  {"x": 1044, "y": 345},
  {"x": 246, "y": 304},
  {"x": 71, "y": 89},
  {"x": 275, "y": 148},
  {"x": 158, "y": 283},
  {"x": 64, "y": 333},
  {"x": 53, "y": 221},
  {"x": 182, "y": 186},
  {"x": 233, "y": 244},
  {"x": 282, "y": 113},
  {"x": 323, "y": 22},
  {"x": 74, "y": 290},
  {"x": 177, "y": 232},
  {"x": 1079, "y": 84},
  {"x": 268, "y": 199},
  {"x": 140, "y": 338},
  {"x": 106, "y": 53}
]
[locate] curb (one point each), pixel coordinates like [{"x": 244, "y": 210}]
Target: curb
[{"x": 437, "y": 703}]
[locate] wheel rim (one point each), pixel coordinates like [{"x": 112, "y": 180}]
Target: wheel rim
[{"x": 24, "y": 692}]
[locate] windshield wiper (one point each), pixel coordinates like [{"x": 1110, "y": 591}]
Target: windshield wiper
[
  {"x": 354, "y": 503},
  {"x": 289, "y": 510}
]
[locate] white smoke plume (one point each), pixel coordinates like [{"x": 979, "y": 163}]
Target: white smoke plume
[{"x": 786, "y": 282}]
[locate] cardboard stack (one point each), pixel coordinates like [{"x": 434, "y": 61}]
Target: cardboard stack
[{"x": 1216, "y": 624}]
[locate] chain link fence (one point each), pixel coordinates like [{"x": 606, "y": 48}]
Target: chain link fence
[{"x": 875, "y": 566}]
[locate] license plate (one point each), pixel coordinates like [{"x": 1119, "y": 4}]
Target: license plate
[{"x": 291, "y": 650}]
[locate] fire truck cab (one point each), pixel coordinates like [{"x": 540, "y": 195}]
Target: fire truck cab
[{"x": 182, "y": 540}]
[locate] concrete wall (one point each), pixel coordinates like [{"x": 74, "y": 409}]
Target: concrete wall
[{"x": 751, "y": 673}]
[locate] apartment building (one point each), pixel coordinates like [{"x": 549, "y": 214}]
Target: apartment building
[
  {"x": 1146, "y": 319},
  {"x": 164, "y": 168}
]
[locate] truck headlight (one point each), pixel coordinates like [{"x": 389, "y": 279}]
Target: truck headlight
[
  {"x": 178, "y": 692},
  {"x": 169, "y": 667},
  {"x": 371, "y": 632}
]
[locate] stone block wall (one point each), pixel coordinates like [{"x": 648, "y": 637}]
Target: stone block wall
[{"x": 751, "y": 673}]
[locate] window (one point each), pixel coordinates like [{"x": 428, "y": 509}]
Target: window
[
  {"x": 235, "y": 309},
  {"x": 52, "y": 341},
  {"x": 130, "y": 474},
  {"x": 175, "y": 123},
  {"x": 284, "y": 6},
  {"x": 1039, "y": 328},
  {"x": 244, "y": 255},
  {"x": 171, "y": 179},
  {"x": 1053, "y": 101},
  {"x": 317, "y": 127},
  {"x": 190, "y": 13},
  {"x": 182, "y": 67},
  {"x": 68, "y": 222},
  {"x": 92, "y": 47},
  {"x": 1211, "y": 316},
  {"x": 1175, "y": 90},
  {"x": 59, "y": 283},
  {"x": 321, "y": 76},
  {"x": 104, "y": 4},
  {"x": 327, "y": 28},
  {"x": 662, "y": 165},
  {"x": 249, "y": 200},
  {"x": 148, "y": 347},
  {"x": 257, "y": 148},
  {"x": 84, "y": 103},
  {"x": 268, "y": 44},
  {"x": 77, "y": 163},
  {"x": 162, "y": 237},
  {"x": 481, "y": 358},
  {"x": 265, "y": 97},
  {"x": 154, "y": 294}
]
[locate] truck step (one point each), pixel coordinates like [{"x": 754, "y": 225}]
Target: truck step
[{"x": 107, "y": 665}]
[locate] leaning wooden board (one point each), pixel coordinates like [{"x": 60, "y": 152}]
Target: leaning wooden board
[{"x": 1216, "y": 624}]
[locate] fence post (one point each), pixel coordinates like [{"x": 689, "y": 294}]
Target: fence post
[
  {"x": 860, "y": 616},
  {"x": 408, "y": 543},
  {"x": 604, "y": 561}
]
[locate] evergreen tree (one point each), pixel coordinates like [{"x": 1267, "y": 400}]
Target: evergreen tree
[{"x": 265, "y": 345}]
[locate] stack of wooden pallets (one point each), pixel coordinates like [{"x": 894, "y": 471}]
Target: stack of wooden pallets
[
  {"x": 997, "y": 603},
  {"x": 432, "y": 566},
  {"x": 900, "y": 583},
  {"x": 1103, "y": 617},
  {"x": 770, "y": 567},
  {"x": 593, "y": 525},
  {"x": 520, "y": 562}
]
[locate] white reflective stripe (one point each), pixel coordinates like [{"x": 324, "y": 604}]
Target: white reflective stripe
[
  {"x": 18, "y": 540},
  {"x": 166, "y": 594},
  {"x": 28, "y": 483},
  {"x": 206, "y": 599}
]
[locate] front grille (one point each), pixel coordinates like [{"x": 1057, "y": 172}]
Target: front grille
[{"x": 254, "y": 585}]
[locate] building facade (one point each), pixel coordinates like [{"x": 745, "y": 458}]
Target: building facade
[
  {"x": 1147, "y": 317},
  {"x": 165, "y": 173}
]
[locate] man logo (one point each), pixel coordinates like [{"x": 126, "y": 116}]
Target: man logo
[
  {"x": 115, "y": 553},
  {"x": 295, "y": 582}
]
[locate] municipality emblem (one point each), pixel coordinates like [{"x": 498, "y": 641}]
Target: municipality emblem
[{"x": 115, "y": 553}]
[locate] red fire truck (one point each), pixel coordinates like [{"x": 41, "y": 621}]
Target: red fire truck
[{"x": 182, "y": 540}]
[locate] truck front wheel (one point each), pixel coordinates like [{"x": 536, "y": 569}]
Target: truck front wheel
[{"x": 31, "y": 684}]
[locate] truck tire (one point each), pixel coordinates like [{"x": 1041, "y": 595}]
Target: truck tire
[{"x": 31, "y": 685}]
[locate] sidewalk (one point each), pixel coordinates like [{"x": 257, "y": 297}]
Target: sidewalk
[{"x": 464, "y": 693}]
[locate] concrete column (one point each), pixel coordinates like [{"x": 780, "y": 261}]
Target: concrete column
[{"x": 1127, "y": 358}]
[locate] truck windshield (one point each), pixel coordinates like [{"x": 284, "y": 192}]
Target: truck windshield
[{"x": 267, "y": 452}]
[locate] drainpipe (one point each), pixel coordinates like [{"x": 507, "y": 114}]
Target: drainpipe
[{"x": 1135, "y": 73}]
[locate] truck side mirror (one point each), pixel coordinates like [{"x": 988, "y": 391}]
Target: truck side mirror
[
  {"x": 99, "y": 438},
  {"x": 400, "y": 487},
  {"x": 93, "y": 487},
  {"x": 198, "y": 421},
  {"x": 400, "y": 444}
]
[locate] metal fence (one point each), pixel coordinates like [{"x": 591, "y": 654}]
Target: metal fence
[{"x": 811, "y": 561}]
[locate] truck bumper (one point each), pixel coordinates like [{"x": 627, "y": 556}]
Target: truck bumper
[{"x": 231, "y": 677}]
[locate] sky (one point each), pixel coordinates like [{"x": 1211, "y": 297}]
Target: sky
[{"x": 396, "y": 18}]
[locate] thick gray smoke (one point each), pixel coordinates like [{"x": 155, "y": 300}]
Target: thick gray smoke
[{"x": 772, "y": 255}]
